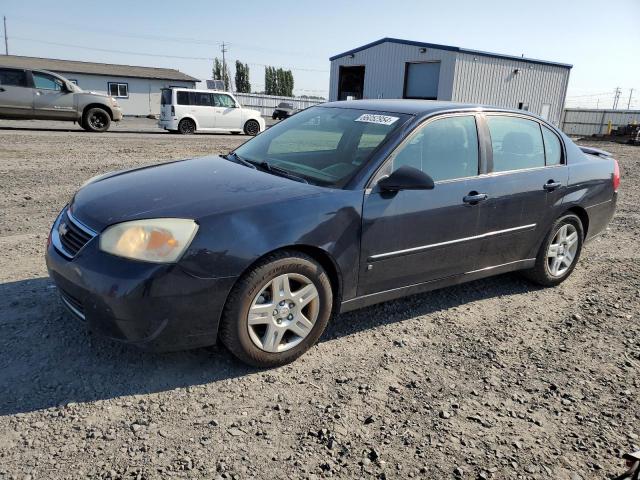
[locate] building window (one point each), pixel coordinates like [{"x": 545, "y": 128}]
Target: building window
[{"x": 119, "y": 90}]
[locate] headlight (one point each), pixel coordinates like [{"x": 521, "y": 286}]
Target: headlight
[{"x": 161, "y": 240}]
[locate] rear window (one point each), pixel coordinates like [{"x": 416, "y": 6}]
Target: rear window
[
  {"x": 165, "y": 99},
  {"x": 13, "y": 78}
]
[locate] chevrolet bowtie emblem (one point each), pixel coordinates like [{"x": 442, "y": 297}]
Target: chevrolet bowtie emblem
[{"x": 62, "y": 229}]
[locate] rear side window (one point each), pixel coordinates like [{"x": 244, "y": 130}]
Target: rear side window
[
  {"x": 13, "y": 78},
  {"x": 202, "y": 99},
  {"x": 445, "y": 149},
  {"x": 165, "y": 99},
  {"x": 183, "y": 98},
  {"x": 517, "y": 143},
  {"x": 552, "y": 147}
]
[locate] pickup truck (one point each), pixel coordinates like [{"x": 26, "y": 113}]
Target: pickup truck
[{"x": 43, "y": 95}]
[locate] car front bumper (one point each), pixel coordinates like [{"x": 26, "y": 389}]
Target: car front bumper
[
  {"x": 116, "y": 113},
  {"x": 159, "y": 307}
]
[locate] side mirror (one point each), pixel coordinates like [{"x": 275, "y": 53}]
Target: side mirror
[
  {"x": 68, "y": 88},
  {"x": 406, "y": 178}
]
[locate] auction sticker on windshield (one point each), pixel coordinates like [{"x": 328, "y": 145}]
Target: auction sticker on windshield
[{"x": 379, "y": 119}]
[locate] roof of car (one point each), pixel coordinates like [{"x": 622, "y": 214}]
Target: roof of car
[{"x": 412, "y": 107}]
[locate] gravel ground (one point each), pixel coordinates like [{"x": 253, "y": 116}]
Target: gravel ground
[{"x": 492, "y": 379}]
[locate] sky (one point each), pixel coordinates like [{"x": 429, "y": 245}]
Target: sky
[{"x": 601, "y": 39}]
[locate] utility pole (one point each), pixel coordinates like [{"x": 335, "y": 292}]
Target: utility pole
[
  {"x": 225, "y": 74},
  {"x": 630, "y": 95},
  {"x": 6, "y": 41},
  {"x": 616, "y": 98}
]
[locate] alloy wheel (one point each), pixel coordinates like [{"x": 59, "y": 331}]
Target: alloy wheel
[
  {"x": 562, "y": 250},
  {"x": 283, "y": 313},
  {"x": 252, "y": 127},
  {"x": 97, "y": 120}
]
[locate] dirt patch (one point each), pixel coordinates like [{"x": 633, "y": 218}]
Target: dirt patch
[{"x": 492, "y": 379}]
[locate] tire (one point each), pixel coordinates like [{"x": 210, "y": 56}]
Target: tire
[
  {"x": 274, "y": 116},
  {"x": 252, "y": 127},
  {"x": 96, "y": 120},
  {"x": 187, "y": 126},
  {"x": 255, "y": 293},
  {"x": 544, "y": 271}
]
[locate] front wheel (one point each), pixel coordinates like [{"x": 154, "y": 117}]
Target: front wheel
[
  {"x": 277, "y": 311},
  {"x": 96, "y": 120},
  {"x": 559, "y": 252},
  {"x": 252, "y": 127}
]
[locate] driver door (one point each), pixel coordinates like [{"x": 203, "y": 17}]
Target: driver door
[
  {"x": 228, "y": 114},
  {"x": 51, "y": 99},
  {"x": 417, "y": 236}
]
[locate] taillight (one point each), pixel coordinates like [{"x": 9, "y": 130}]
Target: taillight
[
  {"x": 173, "y": 111},
  {"x": 616, "y": 176}
]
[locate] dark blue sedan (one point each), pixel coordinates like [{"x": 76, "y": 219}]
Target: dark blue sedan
[{"x": 341, "y": 206}]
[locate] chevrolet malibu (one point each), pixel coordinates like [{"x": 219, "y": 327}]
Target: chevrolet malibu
[{"x": 341, "y": 206}]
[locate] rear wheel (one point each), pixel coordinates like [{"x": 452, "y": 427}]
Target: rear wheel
[
  {"x": 187, "y": 126},
  {"x": 559, "y": 252},
  {"x": 277, "y": 311},
  {"x": 252, "y": 127},
  {"x": 96, "y": 120}
]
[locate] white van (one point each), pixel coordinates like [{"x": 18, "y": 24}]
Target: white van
[{"x": 187, "y": 111}]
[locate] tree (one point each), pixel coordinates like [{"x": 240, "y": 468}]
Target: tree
[
  {"x": 221, "y": 72},
  {"x": 242, "y": 78},
  {"x": 278, "y": 82}
]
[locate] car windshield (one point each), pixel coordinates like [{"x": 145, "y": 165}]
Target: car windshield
[{"x": 324, "y": 145}]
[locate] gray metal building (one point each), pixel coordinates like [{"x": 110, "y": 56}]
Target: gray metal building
[
  {"x": 393, "y": 68},
  {"x": 137, "y": 89}
]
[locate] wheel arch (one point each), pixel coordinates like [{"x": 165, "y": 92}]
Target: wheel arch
[
  {"x": 189, "y": 117},
  {"x": 582, "y": 214},
  {"x": 97, "y": 105},
  {"x": 324, "y": 258}
]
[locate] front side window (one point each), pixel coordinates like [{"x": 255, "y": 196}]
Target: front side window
[
  {"x": 222, "y": 100},
  {"x": 552, "y": 147},
  {"x": 324, "y": 145},
  {"x": 444, "y": 149},
  {"x": 46, "y": 82},
  {"x": 119, "y": 90},
  {"x": 13, "y": 78},
  {"x": 517, "y": 143}
]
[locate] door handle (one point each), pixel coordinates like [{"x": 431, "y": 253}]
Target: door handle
[
  {"x": 38, "y": 93},
  {"x": 474, "y": 197},
  {"x": 550, "y": 186}
]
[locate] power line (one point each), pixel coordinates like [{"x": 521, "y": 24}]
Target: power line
[
  {"x": 161, "y": 38},
  {"x": 146, "y": 54}
]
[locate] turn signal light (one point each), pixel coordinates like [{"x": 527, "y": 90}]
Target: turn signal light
[{"x": 616, "y": 176}]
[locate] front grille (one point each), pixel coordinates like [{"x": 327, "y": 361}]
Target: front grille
[
  {"x": 72, "y": 303},
  {"x": 72, "y": 234}
]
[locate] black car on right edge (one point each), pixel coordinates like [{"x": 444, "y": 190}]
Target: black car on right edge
[{"x": 343, "y": 205}]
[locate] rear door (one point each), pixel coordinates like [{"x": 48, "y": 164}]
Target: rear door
[
  {"x": 16, "y": 98},
  {"x": 228, "y": 112},
  {"x": 417, "y": 236},
  {"x": 525, "y": 185},
  {"x": 196, "y": 105},
  {"x": 166, "y": 102},
  {"x": 51, "y": 99}
]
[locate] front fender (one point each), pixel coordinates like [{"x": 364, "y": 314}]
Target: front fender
[{"x": 228, "y": 244}]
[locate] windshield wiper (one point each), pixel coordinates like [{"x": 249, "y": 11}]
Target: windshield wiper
[
  {"x": 267, "y": 167},
  {"x": 237, "y": 158}
]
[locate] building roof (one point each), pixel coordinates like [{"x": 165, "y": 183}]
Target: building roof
[
  {"x": 89, "y": 68},
  {"x": 449, "y": 48}
]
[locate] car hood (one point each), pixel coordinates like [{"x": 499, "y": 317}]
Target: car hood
[{"x": 194, "y": 188}]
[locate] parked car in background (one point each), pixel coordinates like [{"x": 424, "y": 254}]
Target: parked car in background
[
  {"x": 188, "y": 111},
  {"x": 42, "y": 95},
  {"x": 283, "y": 110},
  {"x": 342, "y": 206}
]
